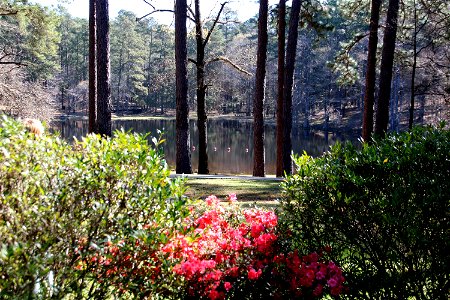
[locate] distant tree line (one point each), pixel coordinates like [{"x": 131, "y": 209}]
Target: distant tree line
[
  {"x": 338, "y": 75},
  {"x": 329, "y": 73}
]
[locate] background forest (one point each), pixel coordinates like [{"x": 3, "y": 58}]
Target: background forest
[{"x": 44, "y": 63}]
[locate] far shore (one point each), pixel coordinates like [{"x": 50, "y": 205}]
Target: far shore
[{"x": 350, "y": 125}]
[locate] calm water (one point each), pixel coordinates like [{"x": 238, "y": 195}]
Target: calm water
[{"x": 230, "y": 146}]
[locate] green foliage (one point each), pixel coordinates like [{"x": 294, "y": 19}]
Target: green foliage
[
  {"x": 29, "y": 37},
  {"x": 73, "y": 49},
  {"x": 129, "y": 55},
  {"x": 384, "y": 210},
  {"x": 61, "y": 203}
]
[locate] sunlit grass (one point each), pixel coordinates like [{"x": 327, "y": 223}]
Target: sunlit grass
[{"x": 262, "y": 192}]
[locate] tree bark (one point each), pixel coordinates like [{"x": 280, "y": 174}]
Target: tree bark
[
  {"x": 183, "y": 154},
  {"x": 291, "y": 50},
  {"x": 387, "y": 62},
  {"x": 369, "y": 94},
  {"x": 200, "y": 64},
  {"x": 150, "y": 47},
  {"x": 280, "y": 99},
  {"x": 103, "y": 69},
  {"x": 119, "y": 78},
  {"x": 201, "y": 94},
  {"x": 258, "y": 103},
  {"x": 413, "y": 75}
]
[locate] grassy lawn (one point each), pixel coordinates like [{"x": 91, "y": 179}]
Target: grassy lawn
[{"x": 260, "y": 192}]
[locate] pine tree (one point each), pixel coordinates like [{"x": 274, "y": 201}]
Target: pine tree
[
  {"x": 92, "y": 68},
  {"x": 280, "y": 98},
  {"x": 103, "y": 69},
  {"x": 288, "y": 84},
  {"x": 387, "y": 61},
  {"x": 369, "y": 95},
  {"x": 258, "y": 102},
  {"x": 183, "y": 156}
]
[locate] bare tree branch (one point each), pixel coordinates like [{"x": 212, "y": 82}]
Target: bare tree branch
[
  {"x": 9, "y": 13},
  {"x": 192, "y": 16},
  {"x": 155, "y": 11},
  {"x": 192, "y": 61},
  {"x": 214, "y": 24},
  {"x": 225, "y": 22},
  {"x": 163, "y": 10},
  {"x": 424, "y": 47},
  {"x": 355, "y": 41},
  {"x": 151, "y": 5},
  {"x": 24, "y": 99},
  {"x": 228, "y": 61},
  {"x": 13, "y": 63}
]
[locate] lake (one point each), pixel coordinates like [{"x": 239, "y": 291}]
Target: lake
[{"x": 230, "y": 142}]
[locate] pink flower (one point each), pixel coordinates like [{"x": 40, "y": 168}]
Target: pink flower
[
  {"x": 336, "y": 291},
  {"x": 312, "y": 257},
  {"x": 308, "y": 278},
  {"x": 264, "y": 242},
  {"x": 256, "y": 230},
  {"x": 220, "y": 257},
  {"x": 320, "y": 275},
  {"x": 233, "y": 272},
  {"x": 213, "y": 295},
  {"x": 227, "y": 286},
  {"x": 332, "y": 282},
  {"x": 318, "y": 290},
  {"x": 254, "y": 275},
  {"x": 212, "y": 200},
  {"x": 232, "y": 198}
]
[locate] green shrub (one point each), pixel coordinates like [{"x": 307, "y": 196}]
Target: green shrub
[
  {"x": 61, "y": 203},
  {"x": 384, "y": 209}
]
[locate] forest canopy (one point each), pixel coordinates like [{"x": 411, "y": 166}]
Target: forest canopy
[{"x": 48, "y": 48}]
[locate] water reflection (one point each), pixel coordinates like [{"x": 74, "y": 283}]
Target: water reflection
[{"x": 230, "y": 146}]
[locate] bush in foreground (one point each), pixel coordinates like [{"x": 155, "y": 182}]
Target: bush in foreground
[
  {"x": 60, "y": 203},
  {"x": 384, "y": 210}
]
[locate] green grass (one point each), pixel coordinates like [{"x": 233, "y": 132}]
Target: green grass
[{"x": 260, "y": 192}]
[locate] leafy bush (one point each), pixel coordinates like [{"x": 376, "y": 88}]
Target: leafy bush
[
  {"x": 383, "y": 209},
  {"x": 60, "y": 204}
]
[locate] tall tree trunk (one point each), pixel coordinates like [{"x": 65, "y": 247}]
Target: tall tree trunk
[
  {"x": 149, "y": 67},
  {"x": 103, "y": 69},
  {"x": 202, "y": 87},
  {"x": 369, "y": 95},
  {"x": 387, "y": 61},
  {"x": 413, "y": 75},
  {"x": 280, "y": 99},
  {"x": 291, "y": 50},
  {"x": 119, "y": 79},
  {"x": 201, "y": 94},
  {"x": 258, "y": 102},
  {"x": 77, "y": 62},
  {"x": 183, "y": 156}
]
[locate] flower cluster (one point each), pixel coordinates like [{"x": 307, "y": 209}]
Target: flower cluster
[
  {"x": 306, "y": 276},
  {"x": 216, "y": 254},
  {"x": 229, "y": 252}
]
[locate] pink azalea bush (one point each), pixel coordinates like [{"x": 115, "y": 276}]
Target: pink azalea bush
[
  {"x": 229, "y": 253},
  {"x": 237, "y": 251}
]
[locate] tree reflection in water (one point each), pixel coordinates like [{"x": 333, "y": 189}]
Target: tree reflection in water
[{"x": 230, "y": 146}]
